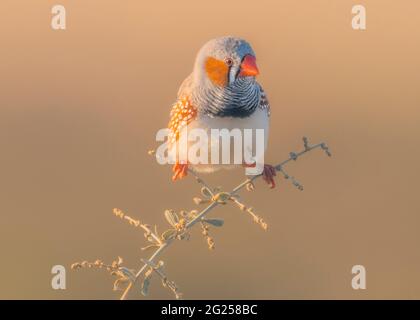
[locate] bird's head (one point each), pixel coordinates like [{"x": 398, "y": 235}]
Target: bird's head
[{"x": 222, "y": 61}]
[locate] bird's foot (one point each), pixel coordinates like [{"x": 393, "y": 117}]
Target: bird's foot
[
  {"x": 268, "y": 175},
  {"x": 180, "y": 170}
]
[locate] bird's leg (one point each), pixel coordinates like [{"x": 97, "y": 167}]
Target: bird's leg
[
  {"x": 268, "y": 174},
  {"x": 180, "y": 171}
]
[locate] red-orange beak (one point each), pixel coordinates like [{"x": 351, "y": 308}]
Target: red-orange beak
[{"x": 249, "y": 67}]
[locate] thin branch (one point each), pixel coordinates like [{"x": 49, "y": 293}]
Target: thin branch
[
  {"x": 166, "y": 283},
  {"x": 221, "y": 198},
  {"x": 149, "y": 235}
]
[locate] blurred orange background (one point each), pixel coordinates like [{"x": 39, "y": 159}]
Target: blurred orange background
[{"x": 80, "y": 109}]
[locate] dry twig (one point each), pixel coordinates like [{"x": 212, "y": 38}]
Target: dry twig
[{"x": 185, "y": 220}]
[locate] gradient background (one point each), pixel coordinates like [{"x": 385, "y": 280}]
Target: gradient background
[{"x": 80, "y": 109}]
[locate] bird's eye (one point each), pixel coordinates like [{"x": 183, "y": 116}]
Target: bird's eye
[{"x": 229, "y": 61}]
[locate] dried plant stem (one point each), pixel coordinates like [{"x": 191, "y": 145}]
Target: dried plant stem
[
  {"x": 145, "y": 265},
  {"x": 218, "y": 199},
  {"x": 158, "y": 252},
  {"x": 199, "y": 180},
  {"x": 279, "y": 167},
  {"x": 137, "y": 223}
]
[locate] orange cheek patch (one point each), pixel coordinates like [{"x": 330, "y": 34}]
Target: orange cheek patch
[{"x": 217, "y": 71}]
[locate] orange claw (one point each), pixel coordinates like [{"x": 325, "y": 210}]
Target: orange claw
[
  {"x": 180, "y": 171},
  {"x": 269, "y": 173}
]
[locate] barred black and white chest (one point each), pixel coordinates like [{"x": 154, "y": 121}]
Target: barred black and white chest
[{"x": 238, "y": 101}]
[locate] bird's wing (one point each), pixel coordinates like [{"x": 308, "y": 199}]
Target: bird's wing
[
  {"x": 182, "y": 114},
  {"x": 264, "y": 104}
]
